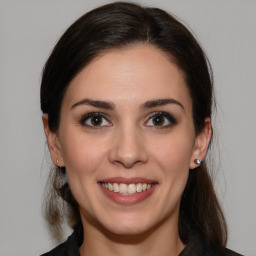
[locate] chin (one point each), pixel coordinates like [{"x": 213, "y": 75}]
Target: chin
[
  {"x": 126, "y": 232},
  {"x": 128, "y": 225},
  {"x": 131, "y": 229}
]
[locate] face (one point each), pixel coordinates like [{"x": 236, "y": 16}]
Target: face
[{"x": 127, "y": 140}]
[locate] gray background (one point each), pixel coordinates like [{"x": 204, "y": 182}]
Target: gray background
[{"x": 29, "y": 30}]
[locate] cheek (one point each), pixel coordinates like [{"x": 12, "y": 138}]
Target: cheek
[
  {"x": 173, "y": 157},
  {"x": 82, "y": 154},
  {"x": 174, "y": 154},
  {"x": 83, "y": 157}
]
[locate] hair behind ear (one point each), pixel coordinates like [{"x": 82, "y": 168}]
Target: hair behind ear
[
  {"x": 200, "y": 209},
  {"x": 59, "y": 205}
]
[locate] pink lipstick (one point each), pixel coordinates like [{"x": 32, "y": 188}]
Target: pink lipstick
[{"x": 127, "y": 191}]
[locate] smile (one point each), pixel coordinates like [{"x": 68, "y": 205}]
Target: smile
[{"x": 126, "y": 189}]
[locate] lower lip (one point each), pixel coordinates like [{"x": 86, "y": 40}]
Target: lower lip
[{"x": 128, "y": 199}]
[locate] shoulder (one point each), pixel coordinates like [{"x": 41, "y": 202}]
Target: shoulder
[
  {"x": 228, "y": 252},
  {"x": 71, "y": 246},
  {"x": 202, "y": 249},
  {"x": 60, "y": 250},
  {"x": 199, "y": 246},
  {"x": 220, "y": 251}
]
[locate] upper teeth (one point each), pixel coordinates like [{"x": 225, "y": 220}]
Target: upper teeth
[{"x": 125, "y": 189}]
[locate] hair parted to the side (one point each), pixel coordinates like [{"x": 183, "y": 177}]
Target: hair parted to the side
[{"x": 119, "y": 25}]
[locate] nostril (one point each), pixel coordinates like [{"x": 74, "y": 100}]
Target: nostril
[
  {"x": 128, "y": 148},
  {"x": 128, "y": 160}
]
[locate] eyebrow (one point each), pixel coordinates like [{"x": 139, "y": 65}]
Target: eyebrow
[
  {"x": 95, "y": 103},
  {"x": 160, "y": 102},
  {"x": 110, "y": 106}
]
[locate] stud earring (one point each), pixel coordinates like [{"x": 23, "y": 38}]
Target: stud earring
[
  {"x": 57, "y": 161},
  {"x": 197, "y": 162}
]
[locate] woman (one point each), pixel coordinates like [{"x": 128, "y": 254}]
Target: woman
[{"x": 127, "y": 98}]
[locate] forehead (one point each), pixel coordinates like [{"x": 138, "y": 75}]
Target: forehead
[{"x": 130, "y": 75}]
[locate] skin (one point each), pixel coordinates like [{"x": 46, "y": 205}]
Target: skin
[{"x": 128, "y": 144}]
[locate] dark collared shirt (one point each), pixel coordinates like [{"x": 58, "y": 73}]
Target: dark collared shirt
[{"x": 195, "y": 247}]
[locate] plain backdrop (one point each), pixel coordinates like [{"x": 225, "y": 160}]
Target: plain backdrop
[{"x": 28, "y": 32}]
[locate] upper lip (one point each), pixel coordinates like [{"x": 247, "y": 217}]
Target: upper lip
[{"x": 123, "y": 180}]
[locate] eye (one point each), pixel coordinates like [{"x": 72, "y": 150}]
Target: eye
[
  {"x": 95, "y": 120},
  {"x": 161, "y": 120}
]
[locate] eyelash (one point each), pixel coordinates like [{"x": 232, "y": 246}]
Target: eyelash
[
  {"x": 90, "y": 116},
  {"x": 170, "y": 119}
]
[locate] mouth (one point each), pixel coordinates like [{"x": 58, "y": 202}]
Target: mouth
[{"x": 127, "y": 191}]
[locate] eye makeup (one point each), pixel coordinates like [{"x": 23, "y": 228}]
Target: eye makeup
[
  {"x": 99, "y": 120},
  {"x": 161, "y": 120},
  {"x": 95, "y": 120}
]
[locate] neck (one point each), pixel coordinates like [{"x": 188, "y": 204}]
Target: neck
[{"x": 162, "y": 240}]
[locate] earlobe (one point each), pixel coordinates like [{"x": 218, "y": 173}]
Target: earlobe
[
  {"x": 53, "y": 143},
  {"x": 201, "y": 144}
]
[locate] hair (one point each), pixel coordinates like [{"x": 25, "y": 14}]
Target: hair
[{"x": 117, "y": 26}]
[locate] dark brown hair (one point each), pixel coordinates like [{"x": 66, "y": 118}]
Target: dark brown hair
[{"x": 119, "y": 25}]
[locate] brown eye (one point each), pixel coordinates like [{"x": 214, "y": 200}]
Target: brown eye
[
  {"x": 161, "y": 120},
  {"x": 95, "y": 120},
  {"x": 158, "y": 120}
]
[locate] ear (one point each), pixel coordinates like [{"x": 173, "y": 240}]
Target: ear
[
  {"x": 53, "y": 143},
  {"x": 201, "y": 143}
]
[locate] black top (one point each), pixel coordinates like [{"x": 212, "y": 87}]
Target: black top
[{"x": 195, "y": 247}]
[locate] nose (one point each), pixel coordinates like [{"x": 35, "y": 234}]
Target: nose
[{"x": 128, "y": 148}]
